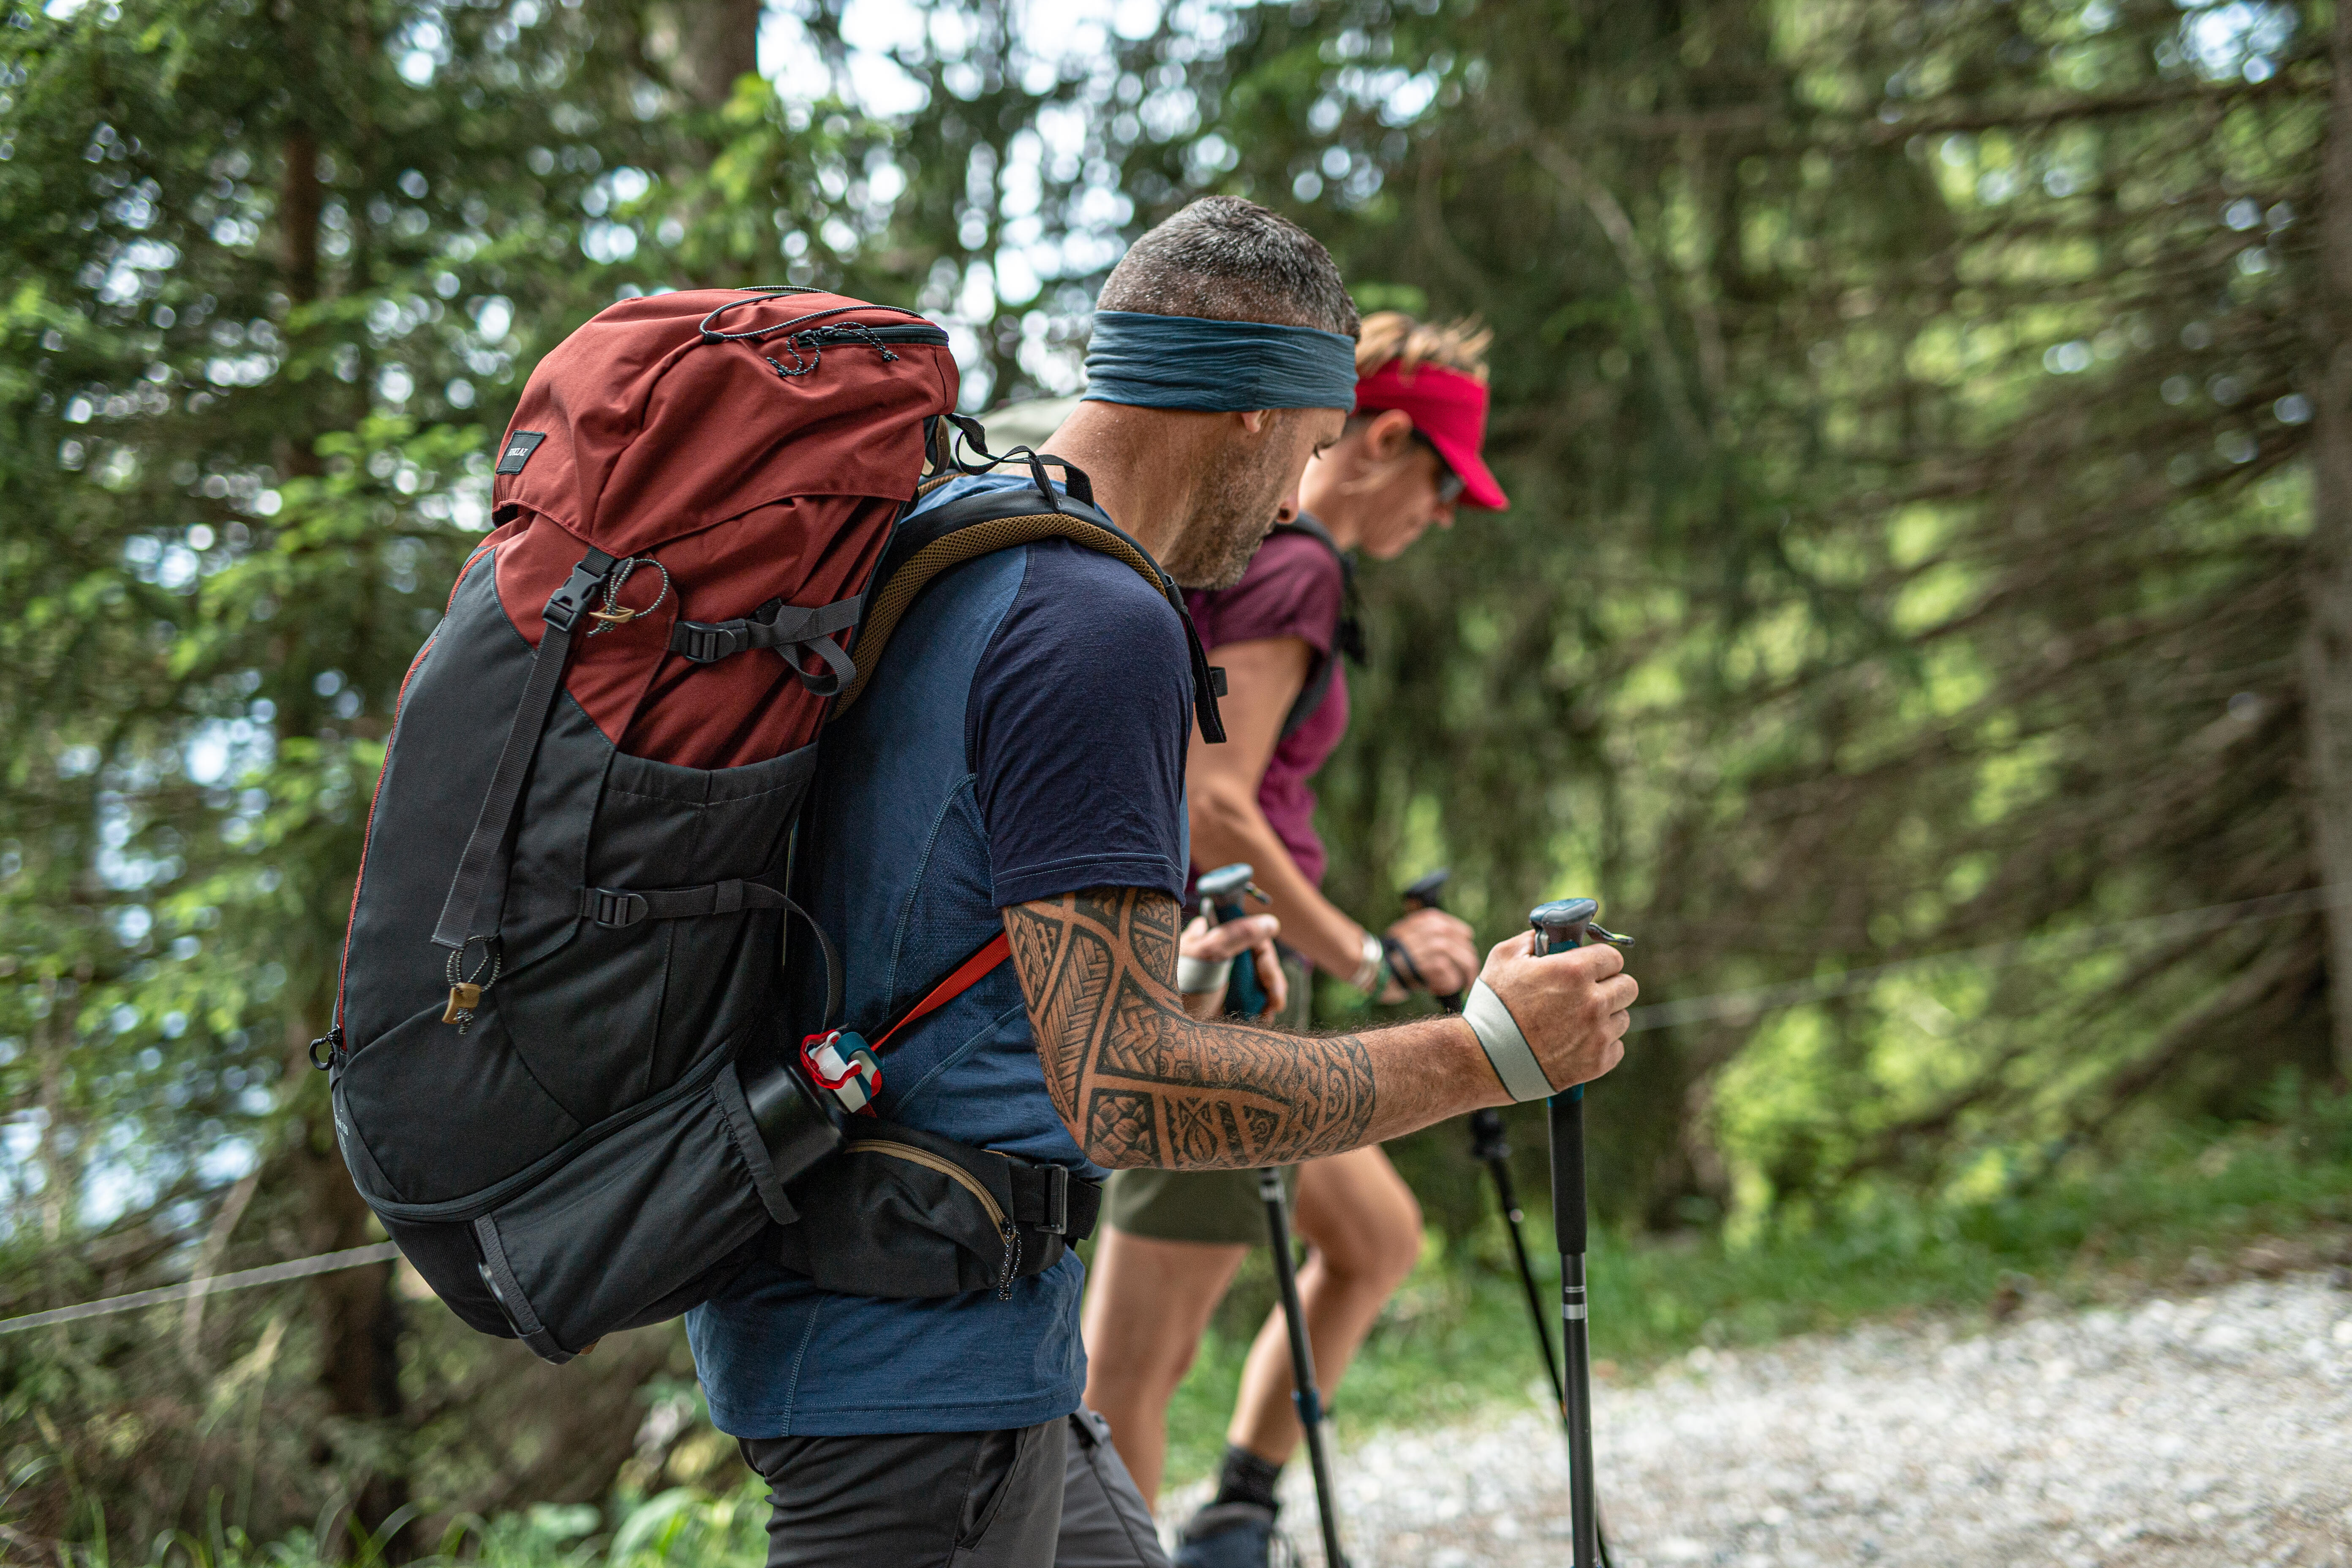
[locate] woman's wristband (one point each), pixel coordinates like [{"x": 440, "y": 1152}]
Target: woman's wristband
[
  {"x": 1195, "y": 975},
  {"x": 1507, "y": 1051},
  {"x": 1371, "y": 976}
]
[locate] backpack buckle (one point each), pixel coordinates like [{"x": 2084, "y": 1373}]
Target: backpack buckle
[
  {"x": 852, "y": 1077},
  {"x": 612, "y": 906},
  {"x": 702, "y": 642},
  {"x": 1057, "y": 1201},
  {"x": 563, "y": 606}
]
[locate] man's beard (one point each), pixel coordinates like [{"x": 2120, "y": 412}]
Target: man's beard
[{"x": 1232, "y": 519}]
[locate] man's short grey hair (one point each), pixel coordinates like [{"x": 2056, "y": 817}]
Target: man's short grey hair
[{"x": 1226, "y": 259}]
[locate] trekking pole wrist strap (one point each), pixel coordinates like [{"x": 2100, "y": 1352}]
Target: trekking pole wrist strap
[
  {"x": 1507, "y": 1051},
  {"x": 1195, "y": 975}
]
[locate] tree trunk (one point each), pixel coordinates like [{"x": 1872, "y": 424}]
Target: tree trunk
[
  {"x": 301, "y": 199},
  {"x": 718, "y": 43},
  {"x": 2328, "y": 641},
  {"x": 355, "y": 1312},
  {"x": 358, "y": 1321}
]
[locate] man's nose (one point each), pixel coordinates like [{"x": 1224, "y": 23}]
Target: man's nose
[{"x": 1289, "y": 510}]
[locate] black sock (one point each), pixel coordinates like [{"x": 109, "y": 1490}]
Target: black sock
[{"x": 1246, "y": 1477}]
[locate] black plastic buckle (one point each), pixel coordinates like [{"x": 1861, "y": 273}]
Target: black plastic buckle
[
  {"x": 563, "y": 606},
  {"x": 334, "y": 1040},
  {"x": 700, "y": 642},
  {"x": 612, "y": 907},
  {"x": 1057, "y": 1201}
]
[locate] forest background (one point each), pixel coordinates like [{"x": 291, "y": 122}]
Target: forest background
[{"x": 1924, "y": 616}]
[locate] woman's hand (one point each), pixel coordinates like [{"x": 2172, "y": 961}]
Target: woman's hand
[
  {"x": 1205, "y": 943},
  {"x": 1441, "y": 956}
]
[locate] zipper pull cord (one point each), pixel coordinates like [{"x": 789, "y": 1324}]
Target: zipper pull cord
[{"x": 1012, "y": 1261}]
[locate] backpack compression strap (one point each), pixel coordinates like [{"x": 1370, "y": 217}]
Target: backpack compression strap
[
  {"x": 789, "y": 628},
  {"x": 481, "y": 880},
  {"x": 968, "y": 527}
]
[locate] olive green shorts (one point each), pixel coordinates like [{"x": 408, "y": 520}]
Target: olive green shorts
[{"x": 1217, "y": 1207}]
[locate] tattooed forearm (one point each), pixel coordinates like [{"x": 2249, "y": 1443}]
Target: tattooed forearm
[{"x": 1139, "y": 1080}]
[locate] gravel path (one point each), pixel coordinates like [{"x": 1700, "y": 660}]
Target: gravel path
[{"x": 2215, "y": 1430}]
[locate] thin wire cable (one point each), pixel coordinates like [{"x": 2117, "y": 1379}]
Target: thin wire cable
[
  {"x": 301, "y": 1267},
  {"x": 1748, "y": 1004}
]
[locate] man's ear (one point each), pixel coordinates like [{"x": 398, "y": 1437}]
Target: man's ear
[{"x": 1256, "y": 421}]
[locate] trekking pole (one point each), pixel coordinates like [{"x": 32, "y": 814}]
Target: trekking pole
[
  {"x": 1490, "y": 1148},
  {"x": 1221, "y": 901},
  {"x": 1221, "y": 891},
  {"x": 1562, "y": 924}
]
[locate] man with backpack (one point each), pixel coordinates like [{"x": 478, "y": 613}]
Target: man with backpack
[
  {"x": 1174, "y": 1239},
  {"x": 1014, "y": 769}
]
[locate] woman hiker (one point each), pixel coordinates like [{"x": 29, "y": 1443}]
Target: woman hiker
[{"x": 1409, "y": 456}]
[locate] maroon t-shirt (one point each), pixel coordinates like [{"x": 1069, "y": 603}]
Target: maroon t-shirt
[{"x": 1293, "y": 589}]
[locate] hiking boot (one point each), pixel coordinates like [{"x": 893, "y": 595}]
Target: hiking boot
[{"x": 1230, "y": 1535}]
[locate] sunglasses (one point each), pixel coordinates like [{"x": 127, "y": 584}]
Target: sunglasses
[{"x": 1450, "y": 484}]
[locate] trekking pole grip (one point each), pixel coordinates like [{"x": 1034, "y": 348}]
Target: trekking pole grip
[
  {"x": 1427, "y": 894},
  {"x": 1558, "y": 926},
  {"x": 1221, "y": 891}
]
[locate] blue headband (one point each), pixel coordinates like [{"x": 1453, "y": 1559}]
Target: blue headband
[{"x": 1185, "y": 362}]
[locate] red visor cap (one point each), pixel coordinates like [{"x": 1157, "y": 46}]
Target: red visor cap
[{"x": 1448, "y": 407}]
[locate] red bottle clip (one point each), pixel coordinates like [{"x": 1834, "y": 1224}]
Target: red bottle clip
[{"x": 852, "y": 1075}]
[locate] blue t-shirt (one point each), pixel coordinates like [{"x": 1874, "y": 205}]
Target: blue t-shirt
[{"x": 1023, "y": 738}]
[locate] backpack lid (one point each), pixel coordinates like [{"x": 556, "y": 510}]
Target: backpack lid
[{"x": 665, "y": 414}]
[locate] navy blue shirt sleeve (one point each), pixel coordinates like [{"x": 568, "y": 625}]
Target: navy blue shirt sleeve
[{"x": 1077, "y": 728}]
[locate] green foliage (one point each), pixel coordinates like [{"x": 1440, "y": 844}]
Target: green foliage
[
  {"x": 1900, "y": 411},
  {"x": 1907, "y": 413}
]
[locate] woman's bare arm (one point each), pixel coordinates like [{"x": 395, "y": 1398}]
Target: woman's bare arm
[{"x": 1263, "y": 678}]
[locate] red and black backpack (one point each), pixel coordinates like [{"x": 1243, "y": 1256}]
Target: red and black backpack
[{"x": 562, "y": 1072}]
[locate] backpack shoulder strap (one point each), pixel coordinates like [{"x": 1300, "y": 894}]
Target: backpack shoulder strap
[
  {"x": 1347, "y": 637},
  {"x": 968, "y": 527}
]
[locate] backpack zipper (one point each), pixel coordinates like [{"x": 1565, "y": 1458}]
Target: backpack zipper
[
  {"x": 895, "y": 1149},
  {"x": 930, "y": 1160},
  {"x": 853, "y": 333},
  {"x": 807, "y": 348}
]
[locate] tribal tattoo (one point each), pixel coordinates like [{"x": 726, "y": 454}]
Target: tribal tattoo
[{"x": 1141, "y": 1082}]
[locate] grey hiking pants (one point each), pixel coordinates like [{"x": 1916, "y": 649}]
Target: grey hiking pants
[{"x": 1050, "y": 1496}]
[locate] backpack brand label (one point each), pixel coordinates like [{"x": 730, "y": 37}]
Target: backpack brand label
[{"x": 519, "y": 446}]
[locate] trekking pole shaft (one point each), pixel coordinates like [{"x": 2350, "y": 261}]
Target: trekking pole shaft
[
  {"x": 1303, "y": 1392},
  {"x": 1487, "y": 1132},
  {"x": 1561, "y": 926},
  {"x": 1576, "y": 1341}
]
